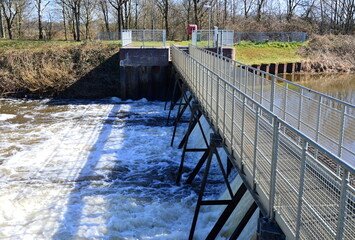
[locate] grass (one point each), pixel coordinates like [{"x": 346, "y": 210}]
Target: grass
[{"x": 272, "y": 52}]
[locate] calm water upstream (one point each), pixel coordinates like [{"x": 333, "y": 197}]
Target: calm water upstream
[{"x": 340, "y": 86}]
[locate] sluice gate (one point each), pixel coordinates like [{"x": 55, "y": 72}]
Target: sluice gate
[{"x": 299, "y": 173}]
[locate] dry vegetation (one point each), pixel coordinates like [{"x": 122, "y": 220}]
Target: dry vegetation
[
  {"x": 329, "y": 53},
  {"x": 48, "y": 70}
]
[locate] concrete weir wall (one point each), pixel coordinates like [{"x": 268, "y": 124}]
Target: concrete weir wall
[{"x": 144, "y": 73}]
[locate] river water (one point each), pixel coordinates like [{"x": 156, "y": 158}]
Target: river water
[
  {"x": 73, "y": 169},
  {"x": 77, "y": 169},
  {"x": 340, "y": 86}
]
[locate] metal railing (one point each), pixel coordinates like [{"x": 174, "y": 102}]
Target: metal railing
[
  {"x": 300, "y": 193},
  {"x": 270, "y": 37},
  {"x": 208, "y": 38},
  {"x": 326, "y": 120},
  {"x": 144, "y": 38}
]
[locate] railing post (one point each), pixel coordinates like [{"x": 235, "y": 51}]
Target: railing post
[
  {"x": 301, "y": 187},
  {"x": 342, "y": 205},
  {"x": 341, "y": 135},
  {"x": 253, "y": 85},
  {"x": 242, "y": 129},
  {"x": 262, "y": 88},
  {"x": 285, "y": 101},
  {"x": 272, "y": 94},
  {"x": 318, "y": 117},
  {"x": 164, "y": 38},
  {"x": 224, "y": 108},
  {"x": 217, "y": 104},
  {"x": 275, "y": 149},
  {"x": 256, "y": 134},
  {"x": 232, "y": 128},
  {"x": 300, "y": 110}
]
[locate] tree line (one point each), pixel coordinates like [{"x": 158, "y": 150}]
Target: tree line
[{"x": 83, "y": 19}]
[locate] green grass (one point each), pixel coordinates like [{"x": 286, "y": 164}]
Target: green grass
[{"x": 272, "y": 52}]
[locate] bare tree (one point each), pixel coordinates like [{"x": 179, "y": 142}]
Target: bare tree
[
  {"x": 291, "y": 6},
  {"x": 259, "y": 6},
  {"x": 163, "y": 6},
  {"x": 20, "y": 6},
  {"x": 117, "y": 5},
  {"x": 247, "y": 4},
  {"x": 9, "y": 11},
  {"x": 105, "y": 11},
  {"x": 40, "y": 6},
  {"x": 89, "y": 7},
  {"x": 2, "y": 30},
  {"x": 75, "y": 10}
]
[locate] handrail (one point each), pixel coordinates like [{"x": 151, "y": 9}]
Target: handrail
[
  {"x": 300, "y": 193},
  {"x": 254, "y": 82}
]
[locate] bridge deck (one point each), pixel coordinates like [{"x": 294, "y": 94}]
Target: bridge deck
[{"x": 302, "y": 185}]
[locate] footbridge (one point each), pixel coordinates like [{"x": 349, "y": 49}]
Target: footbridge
[{"x": 293, "y": 147}]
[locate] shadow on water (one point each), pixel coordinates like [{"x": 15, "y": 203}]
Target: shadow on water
[
  {"x": 144, "y": 180},
  {"x": 71, "y": 221}
]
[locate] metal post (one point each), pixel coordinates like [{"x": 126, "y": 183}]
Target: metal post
[
  {"x": 253, "y": 85},
  {"x": 256, "y": 134},
  {"x": 301, "y": 188},
  {"x": 232, "y": 127},
  {"x": 143, "y": 36},
  {"x": 342, "y": 205},
  {"x": 164, "y": 38},
  {"x": 318, "y": 117},
  {"x": 262, "y": 88},
  {"x": 224, "y": 108},
  {"x": 242, "y": 130},
  {"x": 285, "y": 101},
  {"x": 300, "y": 110},
  {"x": 275, "y": 149},
  {"x": 341, "y": 135},
  {"x": 272, "y": 94}
]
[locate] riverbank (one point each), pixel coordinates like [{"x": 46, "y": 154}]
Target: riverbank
[
  {"x": 72, "y": 69},
  {"x": 51, "y": 69}
]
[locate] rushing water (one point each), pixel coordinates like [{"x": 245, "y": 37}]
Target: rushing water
[
  {"x": 94, "y": 170},
  {"x": 74, "y": 169},
  {"x": 340, "y": 86}
]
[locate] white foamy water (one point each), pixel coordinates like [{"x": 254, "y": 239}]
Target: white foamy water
[{"x": 93, "y": 170}]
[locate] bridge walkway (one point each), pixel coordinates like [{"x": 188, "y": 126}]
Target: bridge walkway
[{"x": 299, "y": 173}]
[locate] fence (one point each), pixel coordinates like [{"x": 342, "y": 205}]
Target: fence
[
  {"x": 208, "y": 38},
  {"x": 270, "y": 37},
  {"x": 144, "y": 38},
  {"x": 324, "y": 119},
  {"x": 305, "y": 197}
]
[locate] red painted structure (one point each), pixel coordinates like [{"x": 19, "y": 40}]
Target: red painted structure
[{"x": 191, "y": 28}]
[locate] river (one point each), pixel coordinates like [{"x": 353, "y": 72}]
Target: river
[
  {"x": 104, "y": 169},
  {"x": 340, "y": 86}
]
